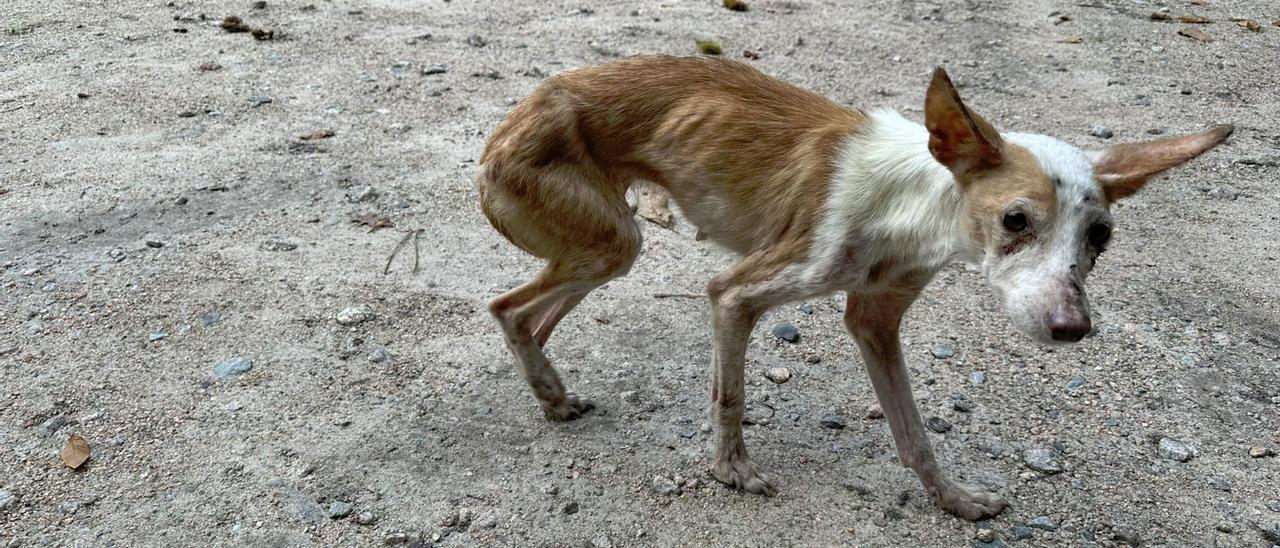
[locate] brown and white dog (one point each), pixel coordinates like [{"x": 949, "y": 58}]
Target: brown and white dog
[{"x": 817, "y": 198}]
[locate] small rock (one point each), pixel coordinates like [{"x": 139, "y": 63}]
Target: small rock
[
  {"x": 1259, "y": 452},
  {"x": 938, "y": 424},
  {"x": 874, "y": 412},
  {"x": 1042, "y": 523},
  {"x": 259, "y": 100},
  {"x": 570, "y": 508},
  {"x": 486, "y": 521},
  {"x": 1125, "y": 535},
  {"x": 665, "y": 486},
  {"x": 1172, "y": 449},
  {"x": 379, "y": 355},
  {"x": 1043, "y": 459},
  {"x": 157, "y": 336},
  {"x": 806, "y": 308},
  {"x": 1273, "y": 505},
  {"x": 1020, "y": 532},
  {"x": 154, "y": 244},
  {"x": 962, "y": 405},
  {"x": 278, "y": 245},
  {"x": 995, "y": 543},
  {"x": 356, "y": 314},
  {"x": 7, "y": 499},
  {"x": 477, "y": 41},
  {"x": 833, "y": 422},
  {"x": 601, "y": 541},
  {"x": 232, "y": 367},
  {"x": 340, "y": 509},
  {"x": 550, "y": 489},
  {"x": 366, "y": 518},
  {"x": 1141, "y": 101},
  {"x": 1101, "y": 132},
  {"x": 978, "y": 377},
  {"x": 1220, "y": 484},
  {"x": 786, "y": 332},
  {"x": 259, "y": 4},
  {"x": 1154, "y": 131},
  {"x": 985, "y": 535},
  {"x": 434, "y": 69},
  {"x": 397, "y": 539},
  {"x": 361, "y": 193},
  {"x": 778, "y": 375},
  {"x": 1075, "y": 383},
  {"x": 942, "y": 351},
  {"x": 813, "y": 359},
  {"x": 211, "y": 317}
]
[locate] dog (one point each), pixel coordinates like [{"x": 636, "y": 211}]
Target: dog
[{"x": 816, "y": 198}]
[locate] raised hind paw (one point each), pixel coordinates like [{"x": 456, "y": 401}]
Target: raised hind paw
[
  {"x": 970, "y": 502},
  {"x": 570, "y": 408},
  {"x": 742, "y": 473}
]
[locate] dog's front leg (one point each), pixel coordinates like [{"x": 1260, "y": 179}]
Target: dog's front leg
[
  {"x": 735, "y": 309},
  {"x": 874, "y": 320}
]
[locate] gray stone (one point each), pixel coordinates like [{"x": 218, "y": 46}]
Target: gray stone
[
  {"x": 806, "y": 308},
  {"x": 938, "y": 424},
  {"x": 995, "y": 543},
  {"x": 1020, "y": 532},
  {"x": 51, "y": 425},
  {"x": 339, "y": 509},
  {"x": 1075, "y": 383},
  {"x": 361, "y": 193},
  {"x": 942, "y": 351},
  {"x": 778, "y": 375},
  {"x": 7, "y": 500},
  {"x": 366, "y": 518},
  {"x": 1101, "y": 132},
  {"x": 434, "y": 69},
  {"x": 833, "y": 422},
  {"x": 157, "y": 336},
  {"x": 873, "y": 412},
  {"x": 985, "y": 534},
  {"x": 570, "y": 508},
  {"x": 1141, "y": 101},
  {"x": 978, "y": 377},
  {"x": 1274, "y": 505},
  {"x": 1043, "y": 459},
  {"x": 1126, "y": 535},
  {"x": 475, "y": 40},
  {"x": 786, "y": 332},
  {"x": 232, "y": 367},
  {"x": 379, "y": 355},
  {"x": 1172, "y": 449},
  {"x": 278, "y": 245},
  {"x": 1220, "y": 484},
  {"x": 211, "y": 317},
  {"x": 665, "y": 486},
  {"x": 1042, "y": 523},
  {"x": 353, "y": 315},
  {"x": 259, "y": 100}
]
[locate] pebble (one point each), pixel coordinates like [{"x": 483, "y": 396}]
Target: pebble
[
  {"x": 1220, "y": 484},
  {"x": 601, "y": 541},
  {"x": 157, "y": 336},
  {"x": 340, "y": 509},
  {"x": 550, "y": 489},
  {"x": 942, "y": 351},
  {"x": 1101, "y": 132},
  {"x": 985, "y": 535},
  {"x": 1274, "y": 505},
  {"x": 487, "y": 521},
  {"x": 806, "y": 308},
  {"x": 1141, "y": 101},
  {"x": 978, "y": 377},
  {"x": 361, "y": 193},
  {"x": 379, "y": 355},
  {"x": 874, "y": 412},
  {"x": 833, "y": 422},
  {"x": 477, "y": 41},
  {"x": 778, "y": 375},
  {"x": 366, "y": 518},
  {"x": 1075, "y": 383},
  {"x": 1127, "y": 536},
  {"x": 571, "y": 508},
  {"x": 1172, "y": 449},
  {"x": 962, "y": 405},
  {"x": 1020, "y": 532},
  {"x": 665, "y": 486},
  {"x": 1043, "y": 459},
  {"x": 211, "y": 317},
  {"x": 355, "y": 314},
  {"x": 278, "y": 245},
  {"x": 938, "y": 424},
  {"x": 786, "y": 332},
  {"x": 154, "y": 244},
  {"x": 396, "y": 539},
  {"x": 1259, "y": 452},
  {"x": 7, "y": 499},
  {"x": 260, "y": 100},
  {"x": 1042, "y": 523},
  {"x": 232, "y": 367},
  {"x": 434, "y": 69},
  {"x": 995, "y": 543}
]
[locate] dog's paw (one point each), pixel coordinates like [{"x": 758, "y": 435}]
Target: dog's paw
[
  {"x": 742, "y": 473},
  {"x": 970, "y": 502},
  {"x": 571, "y": 407}
]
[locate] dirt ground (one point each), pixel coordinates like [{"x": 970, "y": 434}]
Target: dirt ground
[{"x": 160, "y": 214}]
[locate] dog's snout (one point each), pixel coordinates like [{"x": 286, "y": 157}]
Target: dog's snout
[{"x": 1069, "y": 324}]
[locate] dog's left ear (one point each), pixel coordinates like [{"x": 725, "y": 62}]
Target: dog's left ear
[
  {"x": 1122, "y": 169},
  {"x": 958, "y": 137}
]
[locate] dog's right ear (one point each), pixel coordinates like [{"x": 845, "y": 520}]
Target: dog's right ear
[{"x": 958, "y": 138}]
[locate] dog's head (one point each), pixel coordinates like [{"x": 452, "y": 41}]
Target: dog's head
[{"x": 1039, "y": 207}]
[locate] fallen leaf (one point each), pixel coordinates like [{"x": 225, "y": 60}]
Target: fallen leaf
[
  {"x": 1196, "y": 34},
  {"x": 1199, "y": 2},
  {"x": 76, "y": 452},
  {"x": 655, "y": 207},
  {"x": 318, "y": 134},
  {"x": 1071, "y": 40},
  {"x": 1194, "y": 19},
  {"x": 1251, "y": 25},
  {"x": 232, "y": 23},
  {"x": 373, "y": 221},
  {"x": 736, "y": 5},
  {"x": 708, "y": 46},
  {"x": 1159, "y": 16},
  {"x": 1276, "y": 22}
]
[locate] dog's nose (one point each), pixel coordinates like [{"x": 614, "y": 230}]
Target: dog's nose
[{"x": 1069, "y": 325}]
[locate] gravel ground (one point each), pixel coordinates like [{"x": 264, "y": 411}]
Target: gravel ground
[{"x": 183, "y": 285}]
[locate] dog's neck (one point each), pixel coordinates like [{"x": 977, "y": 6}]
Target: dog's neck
[{"x": 892, "y": 201}]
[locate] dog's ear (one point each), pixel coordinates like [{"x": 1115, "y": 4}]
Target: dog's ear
[
  {"x": 958, "y": 138},
  {"x": 1122, "y": 169}
]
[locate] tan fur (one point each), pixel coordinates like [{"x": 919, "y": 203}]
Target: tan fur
[{"x": 989, "y": 191}]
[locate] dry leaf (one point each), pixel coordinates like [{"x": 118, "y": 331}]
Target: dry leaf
[
  {"x": 1194, "y": 19},
  {"x": 76, "y": 452},
  {"x": 1159, "y": 16},
  {"x": 373, "y": 221},
  {"x": 655, "y": 207},
  {"x": 1276, "y": 22},
  {"x": 1195, "y": 33},
  {"x": 1199, "y": 2},
  {"x": 1250, "y": 24},
  {"x": 1071, "y": 40},
  {"x": 318, "y": 134},
  {"x": 736, "y": 5}
]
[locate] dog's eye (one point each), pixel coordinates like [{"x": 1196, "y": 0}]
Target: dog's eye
[
  {"x": 1099, "y": 234},
  {"x": 1015, "y": 221}
]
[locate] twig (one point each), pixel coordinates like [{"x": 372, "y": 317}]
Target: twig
[
  {"x": 12, "y": 109},
  {"x": 408, "y": 234},
  {"x": 676, "y": 296}
]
